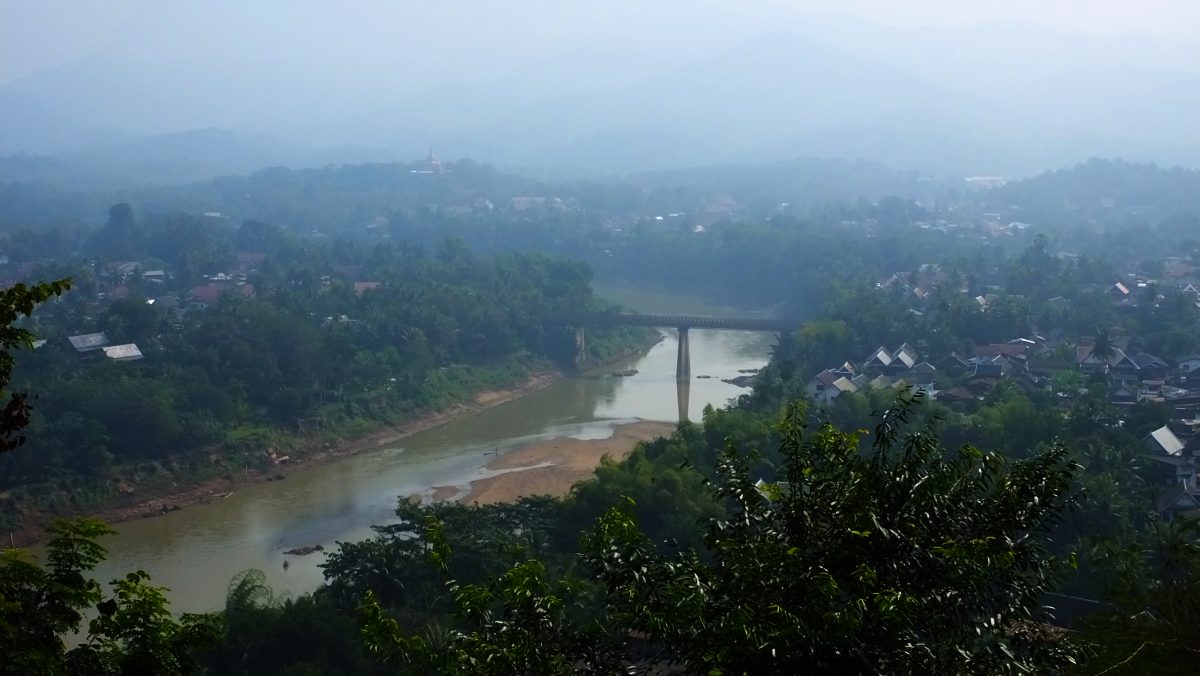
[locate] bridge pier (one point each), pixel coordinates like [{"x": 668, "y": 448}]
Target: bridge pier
[
  {"x": 683, "y": 392},
  {"x": 580, "y": 346},
  {"x": 683, "y": 360}
]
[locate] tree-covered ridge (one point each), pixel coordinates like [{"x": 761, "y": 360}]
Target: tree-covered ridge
[
  {"x": 767, "y": 233},
  {"x": 1096, "y": 187}
]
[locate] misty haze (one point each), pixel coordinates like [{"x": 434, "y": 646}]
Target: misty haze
[{"x": 705, "y": 337}]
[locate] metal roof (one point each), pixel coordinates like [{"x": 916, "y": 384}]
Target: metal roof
[
  {"x": 1166, "y": 440},
  {"x": 126, "y": 352},
  {"x": 88, "y": 341}
]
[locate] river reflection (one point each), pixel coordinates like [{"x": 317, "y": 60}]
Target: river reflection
[{"x": 196, "y": 551}]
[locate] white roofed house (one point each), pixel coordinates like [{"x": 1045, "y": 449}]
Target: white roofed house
[
  {"x": 905, "y": 357},
  {"x": 821, "y": 382},
  {"x": 846, "y": 369},
  {"x": 1163, "y": 441},
  {"x": 839, "y": 387},
  {"x": 88, "y": 342},
  {"x": 1181, "y": 494},
  {"x": 880, "y": 358},
  {"x": 126, "y": 352}
]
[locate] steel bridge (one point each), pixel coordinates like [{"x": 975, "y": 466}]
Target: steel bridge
[{"x": 682, "y": 323}]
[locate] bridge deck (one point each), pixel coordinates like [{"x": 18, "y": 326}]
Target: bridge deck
[{"x": 682, "y": 321}]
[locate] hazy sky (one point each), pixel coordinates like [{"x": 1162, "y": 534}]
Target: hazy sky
[{"x": 36, "y": 34}]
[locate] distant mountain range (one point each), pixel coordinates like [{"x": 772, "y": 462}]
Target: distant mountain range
[{"x": 729, "y": 85}]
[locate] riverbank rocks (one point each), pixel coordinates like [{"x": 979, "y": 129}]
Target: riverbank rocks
[
  {"x": 304, "y": 551},
  {"x": 741, "y": 381}
]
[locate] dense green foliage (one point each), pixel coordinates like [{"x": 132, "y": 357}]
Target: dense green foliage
[
  {"x": 304, "y": 355},
  {"x": 907, "y": 558},
  {"x": 900, "y": 558},
  {"x": 132, "y": 630},
  {"x": 16, "y": 302}
]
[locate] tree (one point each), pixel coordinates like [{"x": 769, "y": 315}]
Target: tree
[
  {"x": 16, "y": 302},
  {"x": 906, "y": 558},
  {"x": 133, "y": 631},
  {"x": 119, "y": 240},
  {"x": 517, "y": 625},
  {"x": 1104, "y": 347},
  {"x": 899, "y": 558}
]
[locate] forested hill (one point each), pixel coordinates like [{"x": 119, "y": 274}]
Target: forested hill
[
  {"x": 800, "y": 181},
  {"x": 1099, "y": 188},
  {"x": 330, "y": 198},
  {"x": 39, "y": 191}
]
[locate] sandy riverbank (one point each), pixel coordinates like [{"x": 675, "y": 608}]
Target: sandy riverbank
[{"x": 553, "y": 466}]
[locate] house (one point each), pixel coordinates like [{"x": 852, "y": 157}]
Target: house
[
  {"x": 1177, "y": 501},
  {"x": 1123, "y": 393},
  {"x": 904, "y": 358},
  {"x": 1087, "y": 359},
  {"x": 124, "y": 269},
  {"x": 839, "y": 387},
  {"x": 880, "y": 382},
  {"x": 923, "y": 371},
  {"x": 126, "y": 352},
  {"x": 957, "y": 394},
  {"x": 1188, "y": 363},
  {"x": 362, "y": 287},
  {"x": 880, "y": 358},
  {"x": 1163, "y": 441},
  {"x": 846, "y": 369},
  {"x": 954, "y": 364},
  {"x": 1150, "y": 367},
  {"x": 88, "y": 342},
  {"x": 991, "y": 367},
  {"x": 1118, "y": 292},
  {"x": 155, "y": 276},
  {"x": 1048, "y": 367},
  {"x": 1122, "y": 363},
  {"x": 986, "y": 300},
  {"x": 821, "y": 382},
  {"x": 1010, "y": 350}
]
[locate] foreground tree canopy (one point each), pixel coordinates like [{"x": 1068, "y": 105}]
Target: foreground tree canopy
[
  {"x": 901, "y": 558},
  {"x": 132, "y": 631}
]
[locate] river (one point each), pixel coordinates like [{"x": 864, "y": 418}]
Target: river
[{"x": 194, "y": 552}]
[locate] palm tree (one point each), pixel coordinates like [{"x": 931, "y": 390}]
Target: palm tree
[{"x": 1103, "y": 347}]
